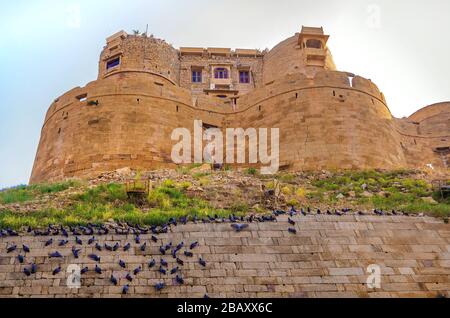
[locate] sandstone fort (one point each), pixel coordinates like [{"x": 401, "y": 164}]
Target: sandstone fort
[{"x": 328, "y": 119}]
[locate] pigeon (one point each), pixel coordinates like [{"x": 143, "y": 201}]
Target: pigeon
[
  {"x": 193, "y": 245},
  {"x": 137, "y": 270},
  {"x": 202, "y": 262},
  {"x": 33, "y": 268},
  {"x": 292, "y": 230},
  {"x": 115, "y": 247},
  {"x": 94, "y": 257},
  {"x": 143, "y": 247},
  {"x": 129, "y": 278},
  {"x": 20, "y": 258},
  {"x": 91, "y": 240},
  {"x": 328, "y": 212},
  {"x": 98, "y": 270},
  {"x": 75, "y": 252},
  {"x": 174, "y": 270},
  {"x": 291, "y": 222},
  {"x": 113, "y": 280},
  {"x": 319, "y": 212},
  {"x": 168, "y": 246},
  {"x": 154, "y": 239},
  {"x": 239, "y": 227},
  {"x": 179, "y": 246},
  {"x": 152, "y": 263},
  {"x": 11, "y": 249},
  {"x": 180, "y": 262},
  {"x": 127, "y": 247},
  {"x": 63, "y": 243},
  {"x": 84, "y": 270},
  {"x": 174, "y": 253},
  {"x": 206, "y": 296},
  {"x": 98, "y": 247},
  {"x": 55, "y": 255},
  {"x": 188, "y": 254},
  {"x": 64, "y": 232},
  {"x": 162, "y": 270},
  {"x": 179, "y": 280},
  {"x": 29, "y": 229},
  {"x": 125, "y": 289},
  {"x": 78, "y": 241},
  {"x": 108, "y": 248},
  {"x": 26, "y": 249},
  {"x": 162, "y": 250},
  {"x": 138, "y": 239},
  {"x": 49, "y": 242},
  {"x": 159, "y": 286},
  {"x": 164, "y": 263},
  {"x": 27, "y": 272},
  {"x": 361, "y": 213},
  {"x": 57, "y": 271},
  {"x": 122, "y": 264}
]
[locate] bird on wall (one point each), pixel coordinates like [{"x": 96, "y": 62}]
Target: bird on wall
[
  {"x": 162, "y": 270},
  {"x": 56, "y": 270},
  {"x": 239, "y": 227},
  {"x": 11, "y": 249},
  {"x": 25, "y": 248},
  {"x": 202, "y": 262},
  {"x": 113, "y": 280},
  {"x": 55, "y": 255},
  {"x": 115, "y": 247},
  {"x": 84, "y": 270},
  {"x": 98, "y": 247},
  {"x": 174, "y": 270},
  {"x": 21, "y": 259},
  {"x": 154, "y": 239},
  {"x": 164, "y": 263},
  {"x": 179, "y": 280},
  {"x": 137, "y": 270},
  {"x": 98, "y": 270},
  {"x": 143, "y": 247},
  {"x": 49, "y": 242},
  {"x": 127, "y": 247},
  {"x": 160, "y": 286},
  {"x": 188, "y": 254},
  {"x": 78, "y": 241},
  {"x": 94, "y": 257},
  {"x": 180, "y": 262},
  {"x": 33, "y": 269},
  {"x": 291, "y": 222},
  {"x": 91, "y": 240},
  {"x": 292, "y": 231},
  {"x": 75, "y": 252},
  {"x": 128, "y": 277},
  {"x": 122, "y": 264},
  {"x": 193, "y": 245},
  {"x": 125, "y": 289},
  {"x": 152, "y": 263},
  {"x": 63, "y": 243},
  {"x": 27, "y": 272}
]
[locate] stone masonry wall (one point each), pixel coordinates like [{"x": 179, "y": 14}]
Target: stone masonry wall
[{"x": 328, "y": 257}]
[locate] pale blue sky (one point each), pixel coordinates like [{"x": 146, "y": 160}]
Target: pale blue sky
[{"x": 47, "y": 49}]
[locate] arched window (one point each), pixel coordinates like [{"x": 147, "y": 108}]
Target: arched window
[
  {"x": 220, "y": 72},
  {"x": 314, "y": 44}
]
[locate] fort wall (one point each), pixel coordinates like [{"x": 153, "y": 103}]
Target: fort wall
[
  {"x": 327, "y": 119},
  {"x": 328, "y": 257}
]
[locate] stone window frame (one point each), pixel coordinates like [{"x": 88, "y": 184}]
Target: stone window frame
[
  {"x": 196, "y": 75},
  {"x": 221, "y": 73},
  {"x": 113, "y": 62},
  {"x": 244, "y": 76}
]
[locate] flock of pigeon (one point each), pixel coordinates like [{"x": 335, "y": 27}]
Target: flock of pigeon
[{"x": 174, "y": 250}]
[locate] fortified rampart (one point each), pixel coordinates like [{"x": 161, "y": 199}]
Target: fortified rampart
[{"x": 146, "y": 88}]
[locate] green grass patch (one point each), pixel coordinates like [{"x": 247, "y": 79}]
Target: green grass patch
[{"x": 25, "y": 193}]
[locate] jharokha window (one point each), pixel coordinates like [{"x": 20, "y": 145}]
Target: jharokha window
[
  {"x": 244, "y": 77},
  {"x": 220, "y": 72},
  {"x": 196, "y": 76}
]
